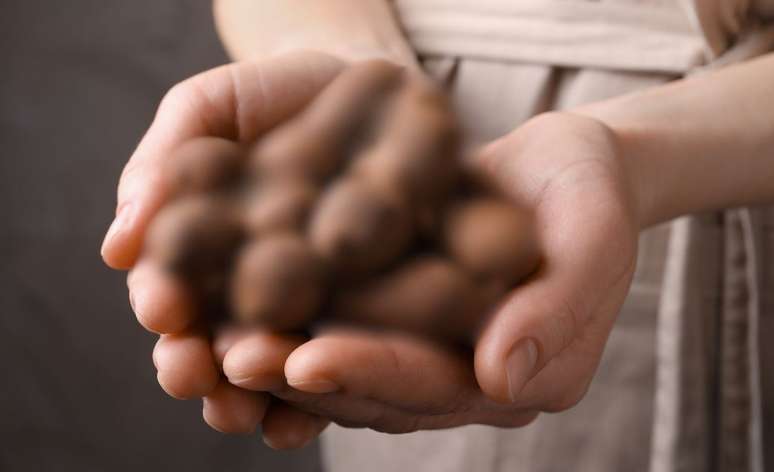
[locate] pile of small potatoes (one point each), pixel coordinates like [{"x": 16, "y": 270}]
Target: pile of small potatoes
[{"x": 357, "y": 209}]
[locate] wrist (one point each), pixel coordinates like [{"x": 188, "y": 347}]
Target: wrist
[
  {"x": 351, "y": 30},
  {"x": 649, "y": 184},
  {"x": 644, "y": 152},
  {"x": 351, "y": 53}
]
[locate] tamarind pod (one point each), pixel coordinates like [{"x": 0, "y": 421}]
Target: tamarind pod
[
  {"x": 278, "y": 282},
  {"x": 492, "y": 239},
  {"x": 417, "y": 151},
  {"x": 204, "y": 164},
  {"x": 282, "y": 205},
  {"x": 477, "y": 180},
  {"x": 317, "y": 142},
  {"x": 429, "y": 295},
  {"x": 359, "y": 228},
  {"x": 353, "y": 96},
  {"x": 195, "y": 238}
]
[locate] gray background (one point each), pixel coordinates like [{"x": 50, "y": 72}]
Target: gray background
[{"x": 79, "y": 83}]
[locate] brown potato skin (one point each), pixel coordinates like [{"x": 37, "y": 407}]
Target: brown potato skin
[
  {"x": 203, "y": 165},
  {"x": 429, "y": 295},
  {"x": 359, "y": 228},
  {"x": 492, "y": 239},
  {"x": 279, "y": 205},
  {"x": 278, "y": 282}
]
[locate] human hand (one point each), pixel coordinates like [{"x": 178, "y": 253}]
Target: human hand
[{"x": 236, "y": 102}]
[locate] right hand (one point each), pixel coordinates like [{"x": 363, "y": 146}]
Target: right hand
[{"x": 239, "y": 102}]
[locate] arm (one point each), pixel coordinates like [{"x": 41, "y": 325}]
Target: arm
[
  {"x": 702, "y": 143},
  {"x": 350, "y": 29}
]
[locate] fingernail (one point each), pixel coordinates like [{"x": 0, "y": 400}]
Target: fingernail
[
  {"x": 313, "y": 386},
  {"x": 118, "y": 224},
  {"x": 257, "y": 383},
  {"x": 520, "y": 366},
  {"x": 291, "y": 440}
]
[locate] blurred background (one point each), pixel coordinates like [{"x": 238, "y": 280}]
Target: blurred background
[{"x": 79, "y": 83}]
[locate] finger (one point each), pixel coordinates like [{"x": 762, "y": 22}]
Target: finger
[
  {"x": 397, "y": 370},
  {"x": 257, "y": 361},
  {"x": 230, "y": 409},
  {"x": 543, "y": 344},
  {"x": 361, "y": 380},
  {"x": 355, "y": 411},
  {"x": 236, "y": 101},
  {"x": 225, "y": 337},
  {"x": 286, "y": 427},
  {"x": 160, "y": 302},
  {"x": 185, "y": 365}
]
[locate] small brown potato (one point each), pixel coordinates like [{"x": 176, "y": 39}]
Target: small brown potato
[
  {"x": 492, "y": 238},
  {"x": 359, "y": 228},
  {"x": 204, "y": 164},
  {"x": 428, "y": 295},
  {"x": 278, "y": 282},
  {"x": 279, "y": 205},
  {"x": 195, "y": 238},
  {"x": 316, "y": 144}
]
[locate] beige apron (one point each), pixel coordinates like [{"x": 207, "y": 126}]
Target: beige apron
[{"x": 680, "y": 385}]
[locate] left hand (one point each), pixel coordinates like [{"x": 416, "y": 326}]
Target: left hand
[{"x": 541, "y": 347}]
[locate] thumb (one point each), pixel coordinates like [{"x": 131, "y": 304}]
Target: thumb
[
  {"x": 542, "y": 345},
  {"x": 544, "y": 342},
  {"x": 532, "y": 327}
]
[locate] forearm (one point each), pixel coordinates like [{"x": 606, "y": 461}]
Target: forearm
[
  {"x": 698, "y": 144},
  {"x": 350, "y": 29}
]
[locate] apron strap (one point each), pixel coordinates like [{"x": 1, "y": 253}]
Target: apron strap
[{"x": 636, "y": 36}]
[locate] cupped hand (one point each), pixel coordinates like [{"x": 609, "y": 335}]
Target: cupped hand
[
  {"x": 237, "y": 102},
  {"x": 543, "y": 344},
  {"x": 538, "y": 350}
]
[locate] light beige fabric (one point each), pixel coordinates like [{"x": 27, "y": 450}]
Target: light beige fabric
[
  {"x": 680, "y": 386},
  {"x": 611, "y": 34}
]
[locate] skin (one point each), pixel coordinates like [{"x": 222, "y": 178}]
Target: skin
[{"x": 594, "y": 177}]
